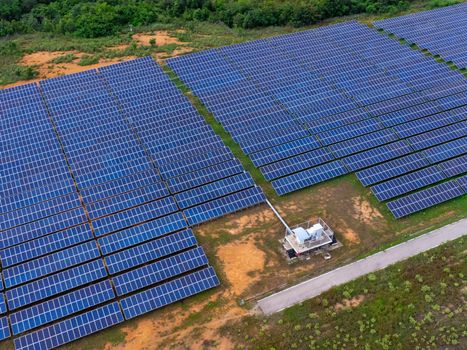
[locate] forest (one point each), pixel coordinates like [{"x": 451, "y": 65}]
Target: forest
[{"x": 97, "y": 18}]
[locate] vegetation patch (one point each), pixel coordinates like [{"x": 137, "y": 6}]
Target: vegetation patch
[
  {"x": 87, "y": 60},
  {"x": 416, "y": 304}
]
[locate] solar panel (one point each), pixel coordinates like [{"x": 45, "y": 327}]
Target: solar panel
[
  {"x": 297, "y": 163},
  {"x": 376, "y": 155},
  {"x": 309, "y": 177},
  {"x": 4, "y": 328},
  {"x": 225, "y": 205},
  {"x": 55, "y": 284},
  {"x": 127, "y": 200},
  {"x": 159, "y": 271},
  {"x": 438, "y": 30},
  {"x": 462, "y": 181},
  {"x": 40, "y": 228},
  {"x": 424, "y": 199},
  {"x": 284, "y": 151},
  {"x": 60, "y": 307},
  {"x": 446, "y": 150},
  {"x": 142, "y": 233},
  {"x": 438, "y": 136},
  {"x": 50, "y": 263},
  {"x": 204, "y": 176},
  {"x": 45, "y": 245},
  {"x": 454, "y": 167},
  {"x": 214, "y": 190},
  {"x": 392, "y": 168},
  {"x": 169, "y": 292},
  {"x": 134, "y": 216},
  {"x": 44, "y": 209},
  {"x": 3, "y": 308},
  {"x": 71, "y": 329},
  {"x": 407, "y": 183},
  {"x": 149, "y": 251}
]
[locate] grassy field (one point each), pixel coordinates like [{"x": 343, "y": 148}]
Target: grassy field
[
  {"x": 362, "y": 224},
  {"x": 417, "y": 304}
]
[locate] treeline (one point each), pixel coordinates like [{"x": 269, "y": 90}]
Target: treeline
[{"x": 88, "y": 18}]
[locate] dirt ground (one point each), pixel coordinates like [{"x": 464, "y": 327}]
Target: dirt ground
[
  {"x": 242, "y": 262},
  {"x": 42, "y": 60}
]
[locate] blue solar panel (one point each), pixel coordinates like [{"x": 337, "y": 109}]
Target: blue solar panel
[
  {"x": 125, "y": 184},
  {"x": 71, "y": 329},
  {"x": 350, "y": 131},
  {"x": 309, "y": 177},
  {"x": 42, "y": 227},
  {"x": 159, "y": 271},
  {"x": 447, "y": 150},
  {"x": 454, "y": 167},
  {"x": 3, "y": 308},
  {"x": 214, "y": 190},
  {"x": 225, "y": 205},
  {"x": 203, "y": 176},
  {"x": 438, "y": 136},
  {"x": 195, "y": 163},
  {"x": 55, "y": 284},
  {"x": 127, "y": 200},
  {"x": 284, "y": 151},
  {"x": 297, "y": 163},
  {"x": 376, "y": 155},
  {"x": 60, "y": 307},
  {"x": 169, "y": 292},
  {"x": 424, "y": 199},
  {"x": 4, "y": 328},
  {"x": 153, "y": 250},
  {"x": 392, "y": 168},
  {"x": 44, "y": 209},
  {"x": 363, "y": 143},
  {"x": 426, "y": 124},
  {"x": 50, "y": 263},
  {"x": 462, "y": 181},
  {"x": 134, "y": 216},
  {"x": 408, "y": 183},
  {"x": 439, "y": 31},
  {"x": 45, "y": 245}
]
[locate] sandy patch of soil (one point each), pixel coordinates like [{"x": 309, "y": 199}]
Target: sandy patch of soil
[
  {"x": 42, "y": 57},
  {"x": 349, "y": 303},
  {"x": 363, "y": 210},
  {"x": 351, "y": 236},
  {"x": 42, "y": 60},
  {"x": 249, "y": 221},
  {"x": 242, "y": 260},
  {"x": 162, "y": 38},
  {"x": 165, "y": 332}
]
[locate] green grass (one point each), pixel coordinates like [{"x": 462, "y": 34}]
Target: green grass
[
  {"x": 64, "y": 59},
  {"x": 87, "y": 60},
  {"x": 418, "y": 303}
]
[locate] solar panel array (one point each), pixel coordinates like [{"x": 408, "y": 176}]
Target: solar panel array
[
  {"x": 311, "y": 106},
  {"x": 441, "y": 31},
  {"x": 103, "y": 173}
]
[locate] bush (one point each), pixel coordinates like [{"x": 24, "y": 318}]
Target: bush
[
  {"x": 26, "y": 72},
  {"x": 87, "y": 60}
]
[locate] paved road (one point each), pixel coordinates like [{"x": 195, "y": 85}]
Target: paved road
[{"x": 315, "y": 286}]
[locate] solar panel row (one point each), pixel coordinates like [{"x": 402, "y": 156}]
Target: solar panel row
[
  {"x": 439, "y": 31},
  {"x": 297, "y": 103},
  {"x": 125, "y": 141}
]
